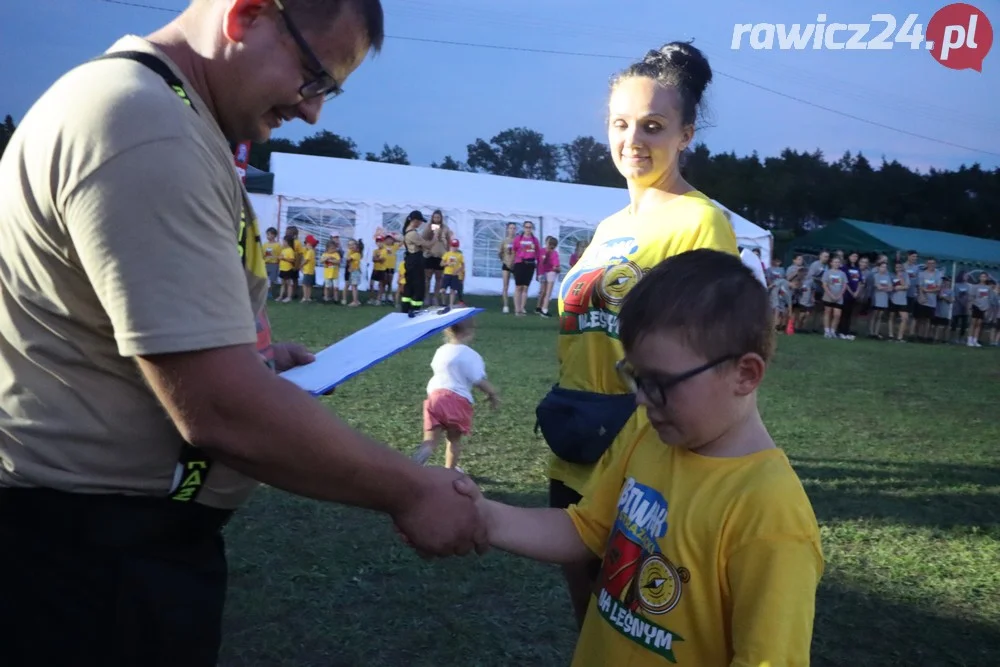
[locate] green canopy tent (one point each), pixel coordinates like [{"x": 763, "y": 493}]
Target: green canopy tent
[{"x": 965, "y": 252}]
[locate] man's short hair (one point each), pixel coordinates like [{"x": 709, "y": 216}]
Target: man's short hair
[
  {"x": 306, "y": 13},
  {"x": 710, "y": 298}
]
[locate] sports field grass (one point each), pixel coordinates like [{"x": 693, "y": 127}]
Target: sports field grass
[{"x": 898, "y": 447}]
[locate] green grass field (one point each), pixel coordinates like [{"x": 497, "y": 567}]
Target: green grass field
[{"x": 898, "y": 447}]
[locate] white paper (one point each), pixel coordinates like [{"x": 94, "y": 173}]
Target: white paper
[{"x": 367, "y": 347}]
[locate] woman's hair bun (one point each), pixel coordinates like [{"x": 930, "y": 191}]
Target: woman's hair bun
[
  {"x": 689, "y": 63},
  {"x": 678, "y": 64}
]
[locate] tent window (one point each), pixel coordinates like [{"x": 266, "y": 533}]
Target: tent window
[
  {"x": 323, "y": 222},
  {"x": 568, "y": 237},
  {"x": 487, "y": 235}
]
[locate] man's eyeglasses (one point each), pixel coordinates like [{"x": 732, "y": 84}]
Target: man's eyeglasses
[
  {"x": 656, "y": 389},
  {"x": 323, "y": 84}
]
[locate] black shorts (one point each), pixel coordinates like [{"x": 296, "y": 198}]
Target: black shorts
[
  {"x": 292, "y": 275},
  {"x": 941, "y": 321},
  {"x": 561, "y": 497},
  {"x": 387, "y": 274},
  {"x": 911, "y": 304},
  {"x": 897, "y": 308},
  {"x": 505, "y": 268},
  {"x": 799, "y": 308},
  {"x": 432, "y": 264},
  {"x": 110, "y": 580},
  {"x": 831, "y": 304},
  {"x": 977, "y": 313},
  {"x": 880, "y": 308},
  {"x": 923, "y": 312},
  {"x": 523, "y": 273},
  {"x": 452, "y": 282},
  {"x": 378, "y": 275}
]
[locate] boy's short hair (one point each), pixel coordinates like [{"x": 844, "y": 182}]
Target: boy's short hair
[{"x": 713, "y": 300}]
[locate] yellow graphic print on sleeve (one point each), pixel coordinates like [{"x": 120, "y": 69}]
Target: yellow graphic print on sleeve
[
  {"x": 707, "y": 562},
  {"x": 625, "y": 247}
]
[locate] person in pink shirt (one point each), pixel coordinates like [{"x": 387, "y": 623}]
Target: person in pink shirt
[
  {"x": 526, "y": 254},
  {"x": 548, "y": 271}
]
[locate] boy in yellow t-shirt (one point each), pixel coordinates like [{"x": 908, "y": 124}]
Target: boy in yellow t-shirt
[
  {"x": 287, "y": 270},
  {"x": 353, "y": 277},
  {"x": 331, "y": 271},
  {"x": 272, "y": 252},
  {"x": 309, "y": 268},
  {"x": 454, "y": 264},
  {"x": 710, "y": 550},
  {"x": 390, "y": 258},
  {"x": 378, "y": 267}
]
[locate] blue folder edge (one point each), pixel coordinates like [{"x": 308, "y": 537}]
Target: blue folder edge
[{"x": 432, "y": 332}]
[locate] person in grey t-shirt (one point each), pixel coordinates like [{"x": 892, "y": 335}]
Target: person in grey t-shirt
[
  {"x": 928, "y": 286},
  {"x": 960, "y": 309},
  {"x": 898, "y": 301},
  {"x": 943, "y": 309},
  {"x": 814, "y": 280},
  {"x": 834, "y": 285},
  {"x": 881, "y": 288}
]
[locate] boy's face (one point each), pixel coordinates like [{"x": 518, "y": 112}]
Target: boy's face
[
  {"x": 271, "y": 236},
  {"x": 691, "y": 401}
]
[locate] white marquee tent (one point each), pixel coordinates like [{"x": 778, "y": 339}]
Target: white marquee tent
[{"x": 352, "y": 198}]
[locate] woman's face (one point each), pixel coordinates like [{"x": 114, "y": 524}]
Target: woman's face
[
  {"x": 853, "y": 257},
  {"x": 528, "y": 229},
  {"x": 645, "y": 130},
  {"x": 436, "y": 218},
  {"x": 882, "y": 268},
  {"x": 511, "y": 228}
]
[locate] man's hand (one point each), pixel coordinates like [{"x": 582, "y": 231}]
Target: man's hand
[
  {"x": 440, "y": 521},
  {"x": 290, "y": 355}
]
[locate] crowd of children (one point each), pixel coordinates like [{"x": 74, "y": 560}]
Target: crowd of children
[
  {"x": 906, "y": 300},
  {"x": 293, "y": 266}
]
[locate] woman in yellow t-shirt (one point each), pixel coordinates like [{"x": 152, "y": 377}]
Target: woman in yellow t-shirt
[{"x": 589, "y": 417}]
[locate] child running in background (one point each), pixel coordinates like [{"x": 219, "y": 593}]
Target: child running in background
[
  {"x": 710, "y": 549},
  {"x": 287, "y": 271},
  {"x": 458, "y": 369},
  {"x": 548, "y": 271},
  {"x": 331, "y": 271},
  {"x": 453, "y": 262}
]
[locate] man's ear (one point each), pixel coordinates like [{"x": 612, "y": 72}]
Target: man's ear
[
  {"x": 240, "y": 16},
  {"x": 750, "y": 369}
]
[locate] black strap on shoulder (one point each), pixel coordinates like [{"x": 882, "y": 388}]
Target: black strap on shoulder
[
  {"x": 192, "y": 465},
  {"x": 155, "y": 64}
]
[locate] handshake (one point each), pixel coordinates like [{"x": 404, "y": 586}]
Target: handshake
[{"x": 446, "y": 518}]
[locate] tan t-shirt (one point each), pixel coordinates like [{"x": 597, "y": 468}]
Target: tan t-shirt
[{"x": 118, "y": 237}]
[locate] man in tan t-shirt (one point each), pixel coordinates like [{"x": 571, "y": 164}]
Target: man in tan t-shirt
[{"x": 138, "y": 409}]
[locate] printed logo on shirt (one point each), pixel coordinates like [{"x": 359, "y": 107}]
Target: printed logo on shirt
[
  {"x": 596, "y": 286},
  {"x": 638, "y": 583}
]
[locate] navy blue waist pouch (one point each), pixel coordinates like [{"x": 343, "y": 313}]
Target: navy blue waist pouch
[{"x": 579, "y": 426}]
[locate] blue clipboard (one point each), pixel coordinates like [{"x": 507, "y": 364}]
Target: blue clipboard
[{"x": 369, "y": 346}]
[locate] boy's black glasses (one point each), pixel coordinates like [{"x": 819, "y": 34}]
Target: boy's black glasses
[
  {"x": 323, "y": 84},
  {"x": 656, "y": 389}
]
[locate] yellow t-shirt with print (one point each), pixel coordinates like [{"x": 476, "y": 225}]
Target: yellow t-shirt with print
[
  {"x": 706, "y": 561},
  {"x": 390, "y": 256},
  {"x": 354, "y": 261},
  {"x": 331, "y": 265},
  {"x": 309, "y": 261},
  {"x": 378, "y": 259},
  {"x": 272, "y": 251},
  {"x": 452, "y": 262},
  {"x": 287, "y": 259},
  {"x": 624, "y": 248}
]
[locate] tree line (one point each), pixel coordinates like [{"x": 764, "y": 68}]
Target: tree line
[{"x": 789, "y": 194}]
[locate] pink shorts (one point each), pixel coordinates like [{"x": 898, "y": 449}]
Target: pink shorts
[{"x": 446, "y": 409}]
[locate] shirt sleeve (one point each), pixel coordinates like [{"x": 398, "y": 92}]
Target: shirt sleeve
[
  {"x": 151, "y": 233},
  {"x": 773, "y": 583},
  {"x": 595, "y": 514}
]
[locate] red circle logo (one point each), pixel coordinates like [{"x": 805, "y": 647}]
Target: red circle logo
[{"x": 959, "y": 36}]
